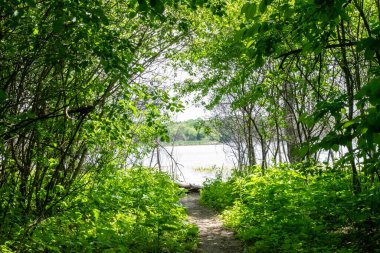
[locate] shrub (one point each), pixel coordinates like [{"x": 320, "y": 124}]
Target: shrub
[
  {"x": 290, "y": 211},
  {"x": 217, "y": 194},
  {"x": 136, "y": 210}
]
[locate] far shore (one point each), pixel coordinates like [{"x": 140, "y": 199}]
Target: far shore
[{"x": 191, "y": 143}]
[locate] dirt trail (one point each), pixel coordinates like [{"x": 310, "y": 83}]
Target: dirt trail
[{"x": 214, "y": 238}]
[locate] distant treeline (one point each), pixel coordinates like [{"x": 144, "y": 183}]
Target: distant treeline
[{"x": 194, "y": 131}]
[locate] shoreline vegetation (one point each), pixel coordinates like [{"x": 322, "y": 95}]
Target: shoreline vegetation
[
  {"x": 193, "y": 132},
  {"x": 296, "y": 208},
  {"x": 191, "y": 143}
]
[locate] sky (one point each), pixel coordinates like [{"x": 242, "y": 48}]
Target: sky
[
  {"x": 192, "y": 112},
  {"x": 171, "y": 76}
]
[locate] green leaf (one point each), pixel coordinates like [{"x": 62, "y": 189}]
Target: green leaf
[
  {"x": 249, "y": 44},
  {"x": 302, "y": 151},
  {"x": 348, "y": 123},
  {"x": 3, "y": 95},
  {"x": 32, "y": 3},
  {"x": 259, "y": 61},
  {"x": 133, "y": 108},
  {"x": 35, "y": 31},
  {"x": 96, "y": 214},
  {"x": 307, "y": 120},
  {"x": 376, "y": 138},
  {"x": 368, "y": 54},
  {"x": 58, "y": 25},
  {"x": 157, "y": 5},
  {"x": 143, "y": 6},
  {"x": 264, "y": 4},
  {"x": 374, "y": 91},
  {"x": 249, "y": 10},
  {"x": 132, "y": 14}
]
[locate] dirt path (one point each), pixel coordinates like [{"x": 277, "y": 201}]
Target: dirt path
[{"x": 214, "y": 238}]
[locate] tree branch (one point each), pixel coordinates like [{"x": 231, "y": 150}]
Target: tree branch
[{"x": 299, "y": 50}]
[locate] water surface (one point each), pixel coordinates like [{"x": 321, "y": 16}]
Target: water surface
[{"x": 196, "y": 163}]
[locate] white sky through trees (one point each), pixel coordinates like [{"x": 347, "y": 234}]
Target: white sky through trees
[
  {"x": 191, "y": 112},
  {"x": 167, "y": 76}
]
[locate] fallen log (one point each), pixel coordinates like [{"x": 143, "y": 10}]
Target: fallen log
[{"x": 190, "y": 187}]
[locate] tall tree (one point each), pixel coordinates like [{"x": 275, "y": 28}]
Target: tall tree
[{"x": 73, "y": 97}]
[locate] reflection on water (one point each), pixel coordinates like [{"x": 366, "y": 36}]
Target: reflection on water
[{"x": 194, "y": 164}]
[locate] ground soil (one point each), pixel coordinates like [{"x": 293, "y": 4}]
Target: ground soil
[{"x": 214, "y": 238}]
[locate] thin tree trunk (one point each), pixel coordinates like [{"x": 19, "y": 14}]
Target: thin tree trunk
[{"x": 350, "y": 97}]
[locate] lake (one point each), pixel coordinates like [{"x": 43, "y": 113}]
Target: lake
[{"x": 196, "y": 163}]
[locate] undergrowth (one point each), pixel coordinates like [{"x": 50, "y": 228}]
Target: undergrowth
[
  {"x": 287, "y": 210},
  {"x": 136, "y": 210}
]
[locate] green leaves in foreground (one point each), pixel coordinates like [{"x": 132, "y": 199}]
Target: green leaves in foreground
[
  {"x": 127, "y": 211},
  {"x": 294, "y": 211}
]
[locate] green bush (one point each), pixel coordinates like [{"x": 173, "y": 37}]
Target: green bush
[
  {"x": 136, "y": 210},
  {"x": 217, "y": 194},
  {"x": 291, "y": 211}
]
